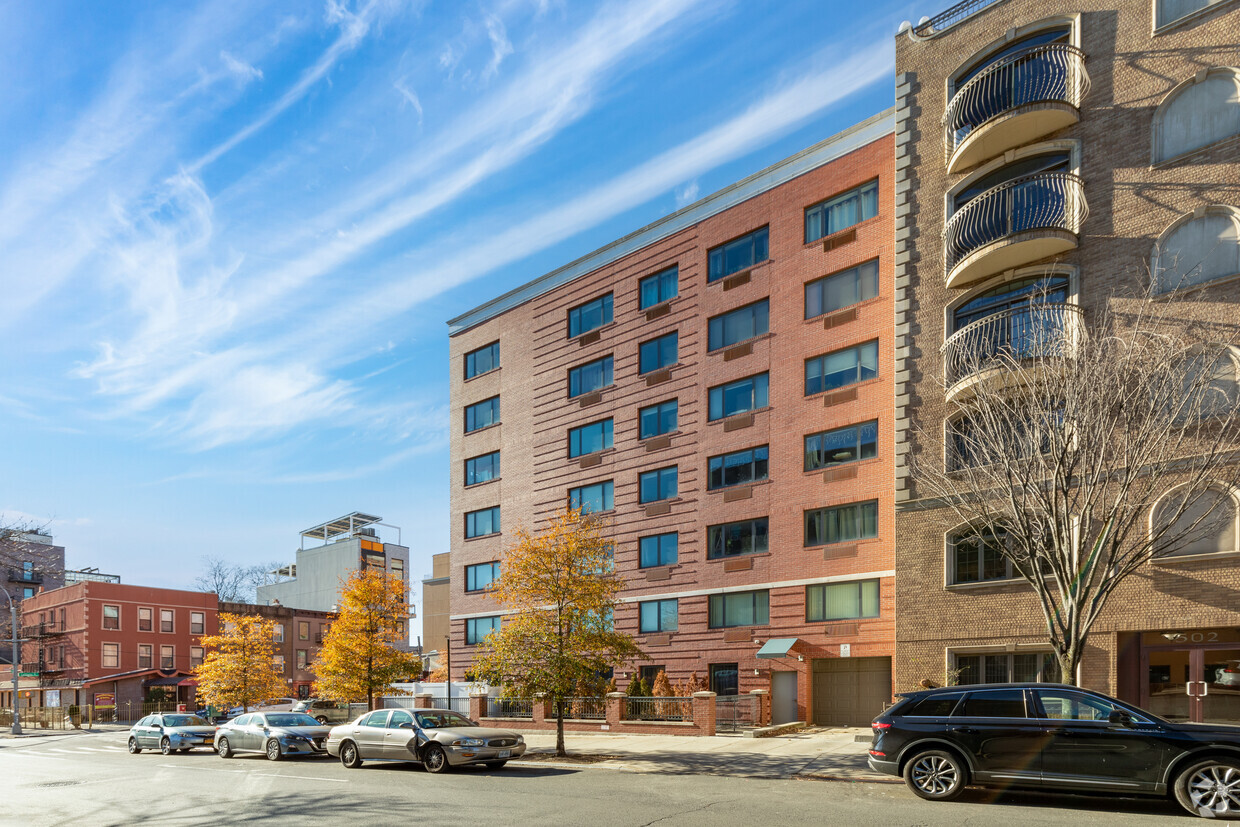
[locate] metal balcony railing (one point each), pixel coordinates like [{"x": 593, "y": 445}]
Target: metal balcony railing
[
  {"x": 1052, "y": 72},
  {"x": 943, "y": 21},
  {"x": 1041, "y": 201},
  {"x": 1033, "y": 331},
  {"x": 23, "y": 576}
]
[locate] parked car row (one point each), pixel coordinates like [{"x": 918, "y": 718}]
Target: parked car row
[{"x": 439, "y": 739}]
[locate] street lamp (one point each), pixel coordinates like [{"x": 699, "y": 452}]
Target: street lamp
[{"x": 17, "y": 727}]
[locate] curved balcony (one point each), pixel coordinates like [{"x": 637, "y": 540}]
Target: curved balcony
[
  {"x": 1014, "y": 101},
  {"x": 1016, "y": 223},
  {"x": 989, "y": 349}
]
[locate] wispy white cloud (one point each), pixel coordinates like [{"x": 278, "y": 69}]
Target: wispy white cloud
[
  {"x": 501, "y": 47},
  {"x": 410, "y": 97},
  {"x": 686, "y": 194},
  {"x": 244, "y": 71}
]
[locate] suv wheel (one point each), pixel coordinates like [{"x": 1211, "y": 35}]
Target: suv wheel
[
  {"x": 322, "y": 719},
  {"x": 935, "y": 775},
  {"x": 1210, "y": 788},
  {"x": 134, "y": 749}
]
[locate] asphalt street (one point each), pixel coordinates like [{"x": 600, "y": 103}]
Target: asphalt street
[{"x": 92, "y": 779}]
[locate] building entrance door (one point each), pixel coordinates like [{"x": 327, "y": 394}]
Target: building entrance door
[{"x": 1198, "y": 683}]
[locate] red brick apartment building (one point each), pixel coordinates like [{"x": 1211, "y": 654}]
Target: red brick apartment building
[
  {"x": 299, "y": 637},
  {"x": 100, "y": 643},
  {"x": 719, "y": 385}
]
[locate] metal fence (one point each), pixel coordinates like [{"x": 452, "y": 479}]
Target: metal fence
[
  {"x": 585, "y": 709},
  {"x": 510, "y": 708},
  {"x": 945, "y": 20},
  {"x": 457, "y": 704},
  {"x": 39, "y": 717},
  {"x": 659, "y": 709},
  {"x": 734, "y": 713}
]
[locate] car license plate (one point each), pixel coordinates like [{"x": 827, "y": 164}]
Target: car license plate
[{"x": 505, "y": 753}]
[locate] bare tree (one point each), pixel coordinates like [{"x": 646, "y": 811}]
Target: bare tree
[
  {"x": 1082, "y": 452},
  {"x": 231, "y": 581}
]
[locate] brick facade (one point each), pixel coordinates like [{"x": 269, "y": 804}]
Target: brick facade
[{"x": 301, "y": 638}]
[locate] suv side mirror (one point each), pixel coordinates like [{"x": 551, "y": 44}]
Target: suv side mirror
[{"x": 1118, "y": 716}]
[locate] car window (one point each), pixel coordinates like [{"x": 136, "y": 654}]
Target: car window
[
  {"x": 994, "y": 703},
  {"x": 400, "y": 718},
  {"x": 183, "y": 720},
  {"x": 376, "y": 719},
  {"x": 144, "y": 722},
  {"x": 935, "y": 705},
  {"x": 290, "y": 719},
  {"x": 244, "y": 720},
  {"x": 442, "y": 720},
  {"x": 1073, "y": 706}
]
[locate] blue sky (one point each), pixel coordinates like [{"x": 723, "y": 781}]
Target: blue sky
[{"x": 231, "y": 233}]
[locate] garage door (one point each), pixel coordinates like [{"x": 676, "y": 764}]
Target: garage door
[{"x": 850, "y": 691}]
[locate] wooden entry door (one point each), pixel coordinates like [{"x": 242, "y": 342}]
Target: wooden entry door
[{"x": 850, "y": 691}]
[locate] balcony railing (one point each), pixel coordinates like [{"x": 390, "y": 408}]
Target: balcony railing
[
  {"x": 23, "y": 576},
  {"x": 943, "y": 21},
  {"x": 1033, "y": 331},
  {"x": 1049, "y": 73},
  {"x": 1041, "y": 201}
]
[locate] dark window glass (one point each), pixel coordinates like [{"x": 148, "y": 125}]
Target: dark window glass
[
  {"x": 588, "y": 439},
  {"x": 111, "y": 617},
  {"x": 731, "y": 539},
  {"x": 841, "y": 601},
  {"x": 841, "y": 212},
  {"x": 658, "y": 616},
  {"x": 978, "y": 556},
  {"x": 477, "y": 628},
  {"x": 858, "y": 521},
  {"x": 843, "y": 445},
  {"x": 740, "y": 609},
  {"x": 649, "y": 673},
  {"x": 589, "y": 377},
  {"x": 481, "y": 576},
  {"x": 993, "y": 703},
  {"x": 843, "y": 367},
  {"x": 934, "y": 706},
  {"x": 659, "y": 288},
  {"x": 589, "y": 316},
  {"x": 738, "y": 254},
  {"x": 482, "y": 523},
  {"x": 596, "y": 497},
  {"x": 835, "y": 292},
  {"x": 482, "y": 360},
  {"x": 659, "y": 550},
  {"x": 657, "y": 485},
  {"x": 738, "y": 325},
  {"x": 482, "y": 469},
  {"x": 737, "y": 397},
  {"x": 737, "y": 468},
  {"x": 657, "y": 353},
  {"x": 482, "y": 414},
  {"x": 657, "y": 419},
  {"x": 724, "y": 679}
]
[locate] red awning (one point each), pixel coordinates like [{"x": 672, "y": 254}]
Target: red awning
[{"x": 188, "y": 682}]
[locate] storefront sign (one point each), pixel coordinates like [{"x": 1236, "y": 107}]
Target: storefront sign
[{"x": 107, "y": 700}]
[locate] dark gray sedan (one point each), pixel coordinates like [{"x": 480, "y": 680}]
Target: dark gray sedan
[
  {"x": 274, "y": 734},
  {"x": 170, "y": 732},
  {"x": 438, "y": 739}
]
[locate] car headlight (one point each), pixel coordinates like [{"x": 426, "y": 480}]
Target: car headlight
[
  {"x": 520, "y": 739},
  {"x": 467, "y": 742}
]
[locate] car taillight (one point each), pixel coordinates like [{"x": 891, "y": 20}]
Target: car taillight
[
  {"x": 881, "y": 725},
  {"x": 1231, "y": 671},
  {"x": 878, "y": 754}
]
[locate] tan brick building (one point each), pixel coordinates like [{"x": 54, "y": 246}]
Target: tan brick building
[
  {"x": 719, "y": 384},
  {"x": 1077, "y": 146}
]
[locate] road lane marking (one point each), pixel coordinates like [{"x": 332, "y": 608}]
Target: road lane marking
[
  {"x": 34, "y": 755},
  {"x": 255, "y": 774},
  {"x": 66, "y": 751}
]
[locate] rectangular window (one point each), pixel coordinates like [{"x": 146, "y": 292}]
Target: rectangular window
[
  {"x": 841, "y": 446},
  {"x": 658, "y": 550},
  {"x": 589, "y": 316},
  {"x": 844, "y": 289},
  {"x": 482, "y": 469},
  {"x": 737, "y": 468},
  {"x": 303, "y": 630},
  {"x": 197, "y": 623},
  {"x": 589, "y": 377},
  {"x": 278, "y": 660},
  {"x": 398, "y": 567},
  {"x": 480, "y": 577},
  {"x": 483, "y": 360},
  {"x": 731, "y": 539},
  {"x": 482, "y": 414},
  {"x": 195, "y": 656},
  {"x": 145, "y": 620},
  {"x": 658, "y": 288},
  {"x": 111, "y": 617},
  {"x": 111, "y": 656},
  {"x": 738, "y": 325},
  {"x": 739, "y": 396},
  {"x": 740, "y": 609},
  {"x": 650, "y": 672},
  {"x": 590, "y": 439},
  {"x": 841, "y": 601},
  {"x": 657, "y": 616},
  {"x": 843, "y": 367},
  {"x": 277, "y": 632},
  {"x": 841, "y": 212},
  {"x": 302, "y": 658},
  {"x": 738, "y": 254},
  {"x": 657, "y": 353},
  {"x": 165, "y": 621},
  {"x": 477, "y": 628},
  {"x": 1027, "y": 667},
  {"x": 145, "y": 655},
  {"x": 596, "y": 497},
  {"x": 657, "y": 485},
  {"x": 844, "y": 523},
  {"x": 481, "y": 523},
  {"x": 657, "y": 419},
  {"x": 167, "y": 657},
  {"x": 977, "y": 556},
  {"x": 724, "y": 679}
]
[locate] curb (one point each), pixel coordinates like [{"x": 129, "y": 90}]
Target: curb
[{"x": 854, "y": 779}]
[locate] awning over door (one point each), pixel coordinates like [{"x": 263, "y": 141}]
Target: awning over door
[{"x": 777, "y": 647}]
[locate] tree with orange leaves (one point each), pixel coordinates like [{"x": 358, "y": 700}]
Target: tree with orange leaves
[
  {"x": 561, "y": 590},
  {"x": 362, "y": 654},
  {"x": 239, "y": 668}
]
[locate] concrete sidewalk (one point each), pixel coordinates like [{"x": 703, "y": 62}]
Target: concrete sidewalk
[
  {"x": 834, "y": 754},
  {"x": 31, "y": 733}
]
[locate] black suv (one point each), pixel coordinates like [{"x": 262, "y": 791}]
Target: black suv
[{"x": 1054, "y": 736}]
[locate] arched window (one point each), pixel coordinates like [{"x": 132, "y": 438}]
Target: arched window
[
  {"x": 1197, "y": 113},
  {"x": 1169, "y": 11},
  {"x": 1198, "y": 248},
  {"x": 1207, "y": 525}
]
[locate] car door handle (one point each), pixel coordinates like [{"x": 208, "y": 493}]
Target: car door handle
[{"x": 966, "y": 730}]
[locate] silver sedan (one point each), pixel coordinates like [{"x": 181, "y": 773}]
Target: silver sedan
[
  {"x": 170, "y": 732},
  {"x": 274, "y": 734},
  {"x": 438, "y": 739}
]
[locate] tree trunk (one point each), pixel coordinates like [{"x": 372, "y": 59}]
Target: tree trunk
[
  {"x": 1069, "y": 659},
  {"x": 559, "y": 728}
]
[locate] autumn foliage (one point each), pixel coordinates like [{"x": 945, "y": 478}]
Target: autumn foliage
[
  {"x": 239, "y": 666},
  {"x": 362, "y": 654}
]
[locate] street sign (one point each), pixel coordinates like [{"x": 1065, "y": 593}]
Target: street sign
[{"x": 27, "y": 674}]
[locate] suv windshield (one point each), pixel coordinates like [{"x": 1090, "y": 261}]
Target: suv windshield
[
  {"x": 442, "y": 720},
  {"x": 291, "y": 719}
]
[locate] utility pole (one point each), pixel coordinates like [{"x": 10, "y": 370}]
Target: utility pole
[
  {"x": 17, "y": 727},
  {"x": 447, "y": 654}
]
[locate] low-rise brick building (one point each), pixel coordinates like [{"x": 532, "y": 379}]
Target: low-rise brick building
[{"x": 299, "y": 637}]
